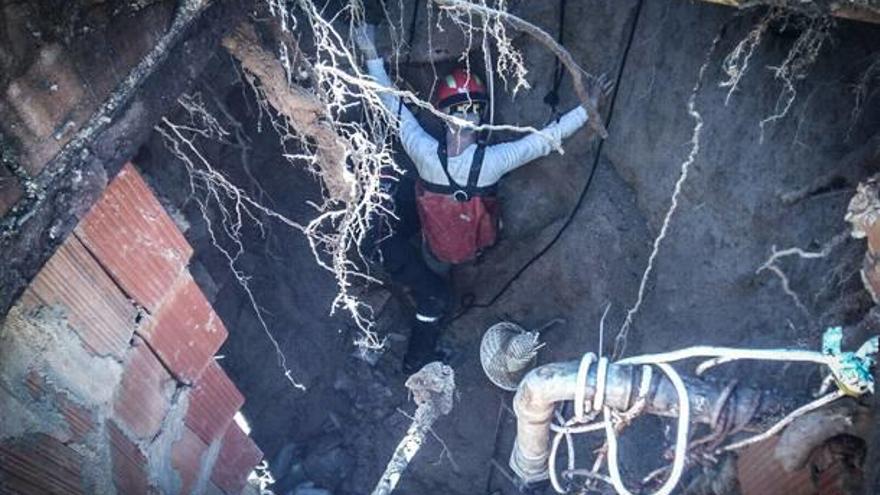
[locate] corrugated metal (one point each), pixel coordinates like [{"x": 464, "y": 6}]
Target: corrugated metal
[
  {"x": 133, "y": 237},
  {"x": 129, "y": 463},
  {"x": 238, "y": 456},
  {"x": 212, "y": 403},
  {"x": 185, "y": 332},
  {"x": 95, "y": 307},
  {"x": 39, "y": 465},
  {"x": 761, "y": 474},
  {"x": 186, "y": 458},
  {"x": 144, "y": 394}
]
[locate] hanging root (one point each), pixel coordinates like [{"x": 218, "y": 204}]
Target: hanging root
[
  {"x": 770, "y": 264},
  {"x": 509, "y": 64},
  {"x": 623, "y": 332},
  {"x": 815, "y": 31},
  {"x": 214, "y": 192},
  {"x": 736, "y": 63},
  {"x": 510, "y": 60},
  {"x": 862, "y": 92},
  {"x": 350, "y": 158}
]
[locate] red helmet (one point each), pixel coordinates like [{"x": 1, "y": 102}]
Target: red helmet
[{"x": 459, "y": 87}]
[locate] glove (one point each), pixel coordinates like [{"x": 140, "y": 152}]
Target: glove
[{"x": 363, "y": 37}]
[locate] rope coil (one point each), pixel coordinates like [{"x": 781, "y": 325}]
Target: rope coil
[
  {"x": 849, "y": 370},
  {"x": 580, "y": 422}
]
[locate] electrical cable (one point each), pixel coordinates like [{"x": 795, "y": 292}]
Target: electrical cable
[
  {"x": 552, "y": 96},
  {"x": 467, "y": 301}
]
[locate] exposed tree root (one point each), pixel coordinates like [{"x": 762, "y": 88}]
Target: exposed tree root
[
  {"x": 508, "y": 57},
  {"x": 213, "y": 192},
  {"x": 815, "y": 30},
  {"x": 305, "y": 115},
  {"x": 863, "y": 91},
  {"x": 770, "y": 265},
  {"x": 623, "y": 332}
]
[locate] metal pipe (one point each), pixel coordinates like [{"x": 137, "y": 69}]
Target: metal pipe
[{"x": 545, "y": 386}]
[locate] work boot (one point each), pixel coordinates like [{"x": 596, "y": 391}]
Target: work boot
[{"x": 422, "y": 346}]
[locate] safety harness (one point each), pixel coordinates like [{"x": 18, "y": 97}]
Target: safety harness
[
  {"x": 469, "y": 190},
  {"x": 458, "y": 221}
]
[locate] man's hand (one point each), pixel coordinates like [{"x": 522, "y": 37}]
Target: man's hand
[
  {"x": 599, "y": 89},
  {"x": 364, "y": 36}
]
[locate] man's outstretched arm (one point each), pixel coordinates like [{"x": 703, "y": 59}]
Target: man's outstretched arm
[
  {"x": 502, "y": 158},
  {"x": 419, "y": 145}
]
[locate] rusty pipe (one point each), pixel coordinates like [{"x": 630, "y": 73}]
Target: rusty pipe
[{"x": 545, "y": 386}]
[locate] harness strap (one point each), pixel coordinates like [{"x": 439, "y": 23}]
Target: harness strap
[
  {"x": 459, "y": 192},
  {"x": 476, "y": 166}
]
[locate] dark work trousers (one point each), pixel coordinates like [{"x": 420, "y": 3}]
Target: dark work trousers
[{"x": 399, "y": 251}]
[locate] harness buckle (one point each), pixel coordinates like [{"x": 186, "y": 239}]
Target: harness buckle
[{"x": 461, "y": 196}]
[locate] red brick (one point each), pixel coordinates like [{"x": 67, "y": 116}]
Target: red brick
[
  {"x": 760, "y": 473},
  {"x": 186, "y": 458},
  {"x": 212, "y": 403},
  {"x": 81, "y": 420},
  {"x": 144, "y": 393},
  {"x": 135, "y": 240},
  {"x": 185, "y": 332},
  {"x": 837, "y": 466},
  {"x": 96, "y": 309},
  {"x": 10, "y": 190},
  {"x": 238, "y": 456},
  {"x": 39, "y": 465},
  {"x": 129, "y": 463}
]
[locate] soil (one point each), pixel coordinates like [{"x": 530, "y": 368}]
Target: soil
[{"x": 740, "y": 200}]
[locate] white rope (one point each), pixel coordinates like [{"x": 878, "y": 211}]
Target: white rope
[
  {"x": 732, "y": 353},
  {"x": 681, "y": 438},
  {"x": 578, "y": 423},
  {"x": 581, "y": 384}
]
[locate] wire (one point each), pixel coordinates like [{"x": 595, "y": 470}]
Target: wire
[{"x": 467, "y": 301}]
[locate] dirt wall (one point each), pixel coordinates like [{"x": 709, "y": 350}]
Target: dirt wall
[{"x": 744, "y": 194}]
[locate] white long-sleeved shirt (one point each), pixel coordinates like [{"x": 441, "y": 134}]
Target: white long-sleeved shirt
[{"x": 498, "y": 160}]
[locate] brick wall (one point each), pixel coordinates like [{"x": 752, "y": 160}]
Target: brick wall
[{"x": 107, "y": 378}]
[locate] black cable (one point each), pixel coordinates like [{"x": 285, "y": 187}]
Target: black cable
[
  {"x": 467, "y": 306},
  {"x": 552, "y": 96},
  {"x": 412, "y": 36}
]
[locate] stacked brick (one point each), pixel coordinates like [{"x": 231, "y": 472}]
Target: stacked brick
[{"x": 107, "y": 376}]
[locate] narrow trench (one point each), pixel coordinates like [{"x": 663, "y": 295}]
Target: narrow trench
[{"x": 338, "y": 433}]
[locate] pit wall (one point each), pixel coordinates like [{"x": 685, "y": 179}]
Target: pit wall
[{"x": 108, "y": 379}]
